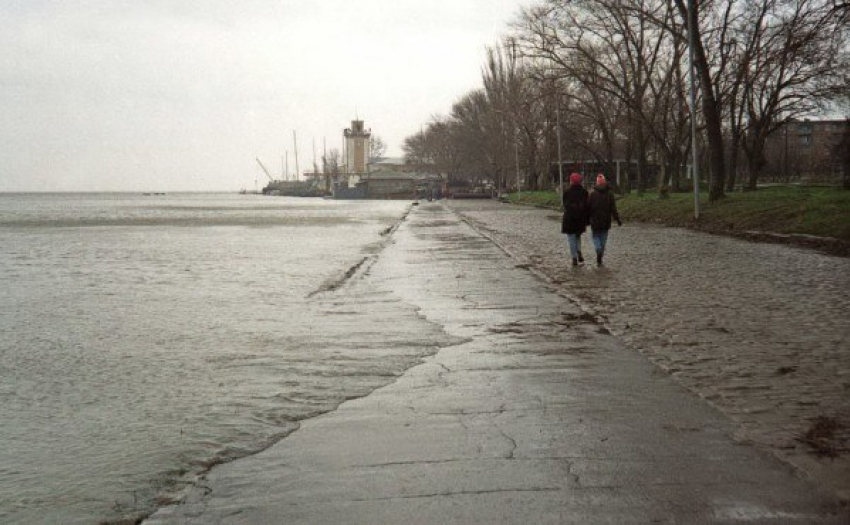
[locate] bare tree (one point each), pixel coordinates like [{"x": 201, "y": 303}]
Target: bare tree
[
  {"x": 617, "y": 69},
  {"x": 520, "y": 102},
  {"x": 620, "y": 67},
  {"x": 477, "y": 134},
  {"x": 332, "y": 161},
  {"x": 414, "y": 149},
  {"x": 330, "y": 167},
  {"x": 552, "y": 34},
  {"x": 712, "y": 111},
  {"x": 436, "y": 148},
  {"x": 377, "y": 148},
  {"x": 797, "y": 65}
]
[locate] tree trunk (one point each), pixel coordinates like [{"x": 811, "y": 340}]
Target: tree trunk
[
  {"x": 676, "y": 176},
  {"x": 710, "y": 108},
  {"x": 717, "y": 163},
  {"x": 755, "y": 163},
  {"x": 671, "y": 167},
  {"x": 641, "y": 159},
  {"x": 663, "y": 188},
  {"x": 733, "y": 162}
]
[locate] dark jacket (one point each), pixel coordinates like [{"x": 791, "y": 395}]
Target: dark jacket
[
  {"x": 575, "y": 210},
  {"x": 602, "y": 207}
]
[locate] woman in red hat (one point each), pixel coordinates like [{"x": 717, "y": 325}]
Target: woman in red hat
[{"x": 602, "y": 207}]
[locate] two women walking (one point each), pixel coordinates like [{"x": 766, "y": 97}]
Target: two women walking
[{"x": 582, "y": 209}]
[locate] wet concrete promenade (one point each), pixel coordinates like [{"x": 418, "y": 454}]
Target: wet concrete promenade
[
  {"x": 539, "y": 413},
  {"x": 761, "y": 331}
]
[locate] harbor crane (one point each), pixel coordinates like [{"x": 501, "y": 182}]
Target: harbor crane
[{"x": 266, "y": 171}]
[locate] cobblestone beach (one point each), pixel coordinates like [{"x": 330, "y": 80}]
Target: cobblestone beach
[{"x": 759, "y": 330}]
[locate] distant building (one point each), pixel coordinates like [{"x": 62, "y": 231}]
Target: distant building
[
  {"x": 383, "y": 178},
  {"x": 356, "y": 147},
  {"x": 808, "y": 150},
  {"x": 398, "y": 185}
]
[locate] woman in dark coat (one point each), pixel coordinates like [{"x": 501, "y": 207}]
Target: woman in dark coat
[
  {"x": 575, "y": 216},
  {"x": 602, "y": 207}
]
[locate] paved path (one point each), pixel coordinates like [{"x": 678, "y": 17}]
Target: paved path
[
  {"x": 539, "y": 416},
  {"x": 761, "y": 331}
]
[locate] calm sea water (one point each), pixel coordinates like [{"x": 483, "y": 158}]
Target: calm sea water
[{"x": 145, "y": 338}]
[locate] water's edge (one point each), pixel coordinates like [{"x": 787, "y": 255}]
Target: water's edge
[{"x": 192, "y": 486}]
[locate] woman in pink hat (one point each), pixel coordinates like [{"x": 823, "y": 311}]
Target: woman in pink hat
[
  {"x": 601, "y": 208},
  {"x": 574, "y": 222}
]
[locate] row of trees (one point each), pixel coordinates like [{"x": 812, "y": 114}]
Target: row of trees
[{"x": 612, "y": 77}]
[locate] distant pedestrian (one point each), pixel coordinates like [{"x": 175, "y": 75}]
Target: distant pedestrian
[
  {"x": 574, "y": 223},
  {"x": 601, "y": 208}
]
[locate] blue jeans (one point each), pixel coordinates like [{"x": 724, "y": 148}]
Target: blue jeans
[
  {"x": 599, "y": 240},
  {"x": 575, "y": 244}
]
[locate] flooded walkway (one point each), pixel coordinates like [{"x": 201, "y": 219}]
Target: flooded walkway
[
  {"x": 538, "y": 414},
  {"x": 762, "y": 331}
]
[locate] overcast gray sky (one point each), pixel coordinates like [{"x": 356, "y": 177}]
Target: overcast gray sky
[{"x": 169, "y": 95}]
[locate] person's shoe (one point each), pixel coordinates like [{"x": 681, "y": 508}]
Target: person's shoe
[
  {"x": 580, "y": 257},
  {"x": 575, "y": 261},
  {"x": 598, "y": 258}
]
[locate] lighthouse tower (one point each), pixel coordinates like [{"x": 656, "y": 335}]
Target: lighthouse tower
[{"x": 356, "y": 147}]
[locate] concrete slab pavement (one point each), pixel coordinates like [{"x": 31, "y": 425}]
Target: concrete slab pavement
[
  {"x": 539, "y": 416},
  {"x": 758, "y": 330}
]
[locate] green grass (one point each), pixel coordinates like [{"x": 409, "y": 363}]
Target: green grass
[{"x": 809, "y": 210}]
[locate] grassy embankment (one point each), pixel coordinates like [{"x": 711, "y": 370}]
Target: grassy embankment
[{"x": 784, "y": 210}]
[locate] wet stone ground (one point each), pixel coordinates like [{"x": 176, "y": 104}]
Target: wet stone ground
[{"x": 758, "y": 330}]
